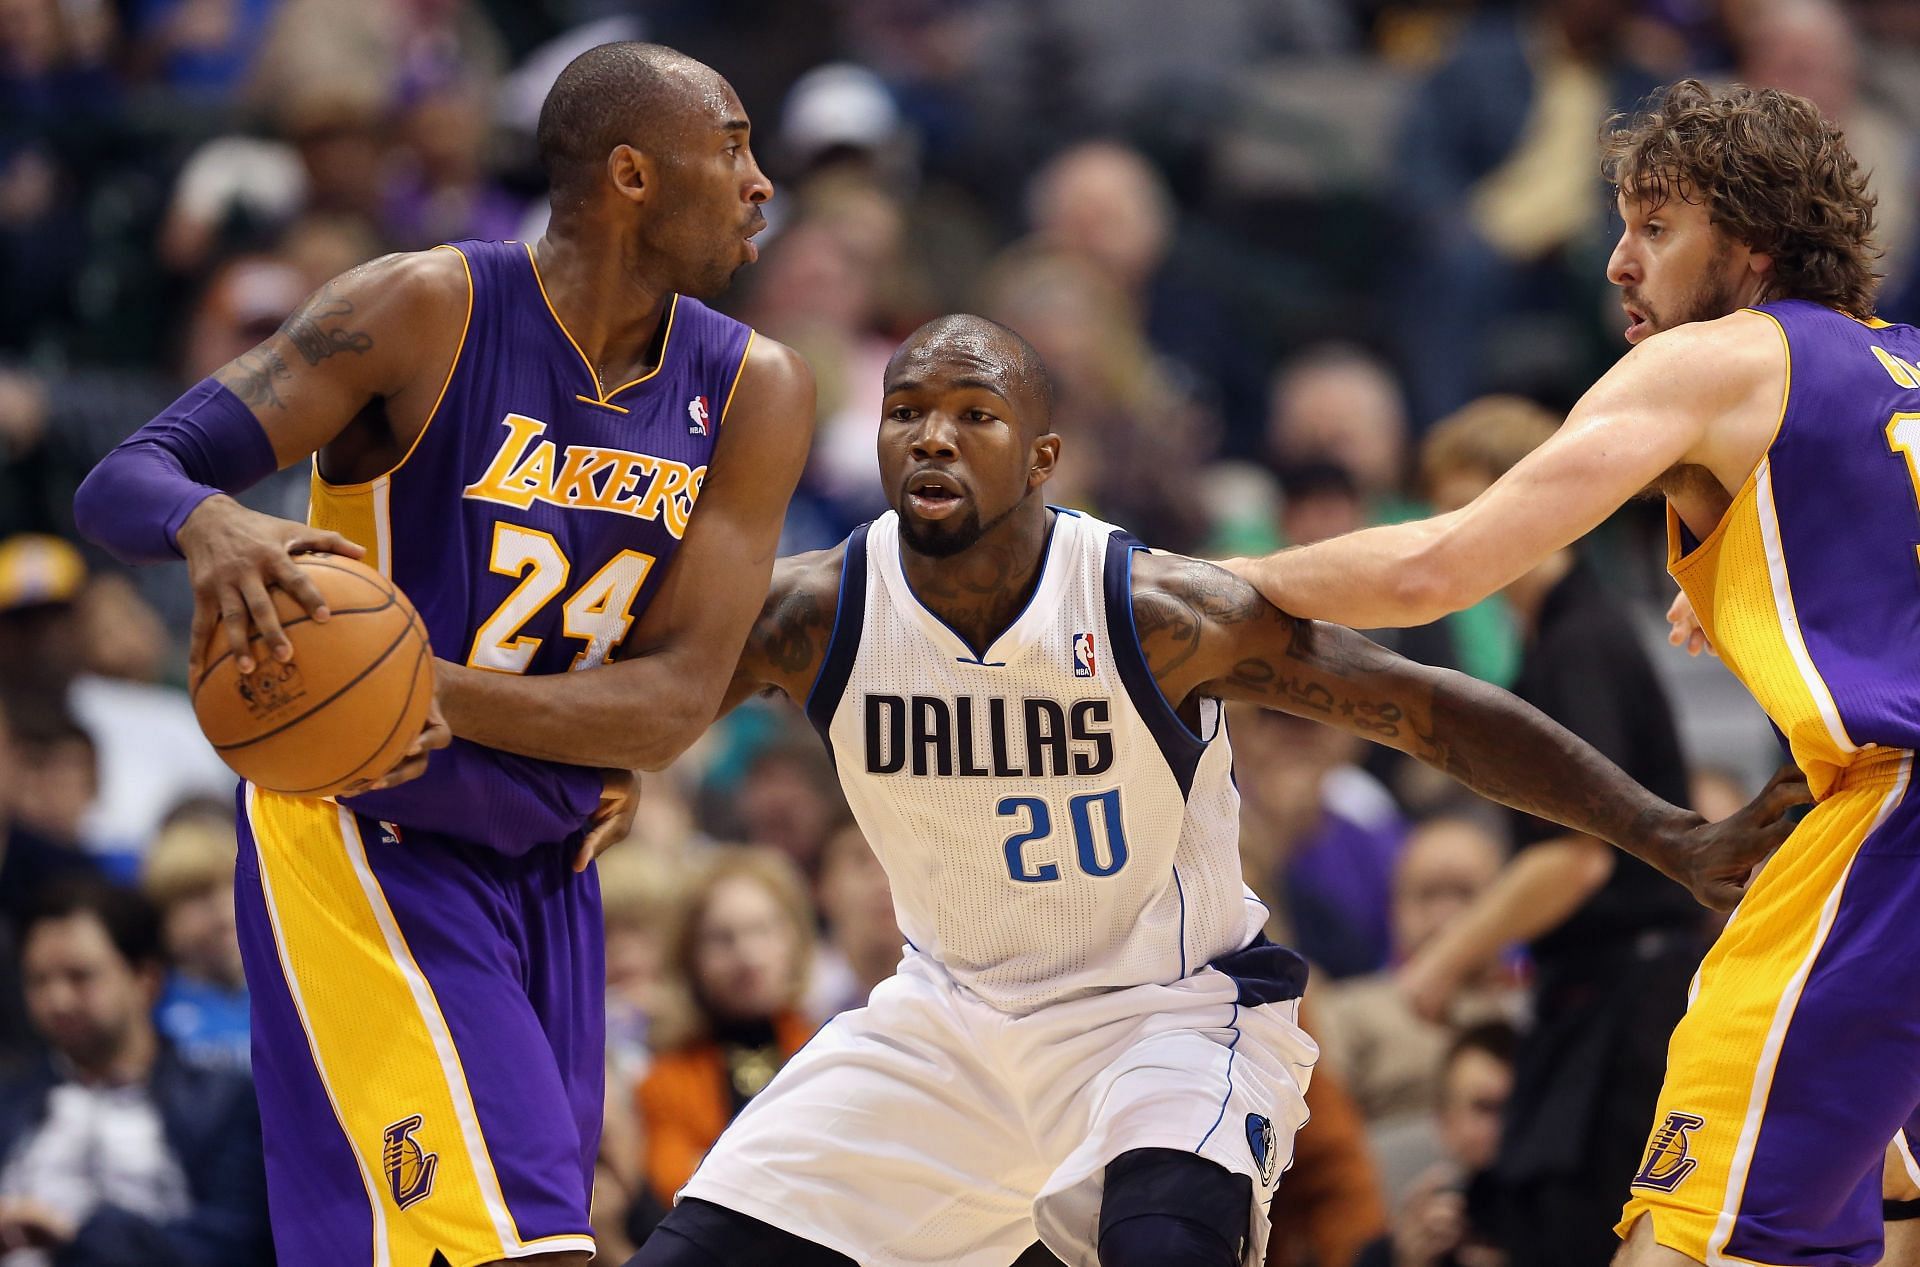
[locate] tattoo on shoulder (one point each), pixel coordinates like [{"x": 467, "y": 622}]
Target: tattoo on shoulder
[
  {"x": 252, "y": 375},
  {"x": 792, "y": 630},
  {"x": 322, "y": 328},
  {"x": 1181, "y": 599}
]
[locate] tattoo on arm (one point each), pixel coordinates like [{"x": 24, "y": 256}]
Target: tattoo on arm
[
  {"x": 319, "y": 329},
  {"x": 252, "y": 375}
]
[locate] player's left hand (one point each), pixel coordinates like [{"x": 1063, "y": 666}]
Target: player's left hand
[
  {"x": 1715, "y": 860},
  {"x": 433, "y": 736},
  {"x": 29, "y": 1224},
  {"x": 613, "y": 821}
]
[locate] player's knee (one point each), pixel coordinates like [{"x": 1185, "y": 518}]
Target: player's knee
[
  {"x": 1164, "y": 1208},
  {"x": 1165, "y": 1240}
]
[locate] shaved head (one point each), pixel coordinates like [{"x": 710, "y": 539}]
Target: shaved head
[
  {"x": 628, "y": 93},
  {"x": 963, "y": 343}
]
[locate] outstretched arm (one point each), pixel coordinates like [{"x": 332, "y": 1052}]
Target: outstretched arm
[
  {"x": 1208, "y": 632},
  {"x": 1653, "y": 411}
]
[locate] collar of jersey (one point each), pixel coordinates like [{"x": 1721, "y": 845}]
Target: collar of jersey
[{"x": 1012, "y": 640}]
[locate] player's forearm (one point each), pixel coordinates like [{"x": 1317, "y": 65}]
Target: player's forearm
[
  {"x": 136, "y": 500},
  {"x": 638, "y": 714},
  {"x": 1510, "y": 752},
  {"x": 1389, "y": 577}
]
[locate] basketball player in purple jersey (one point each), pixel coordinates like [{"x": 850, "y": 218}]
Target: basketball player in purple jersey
[
  {"x": 1781, "y": 421},
  {"x": 517, "y": 434}
]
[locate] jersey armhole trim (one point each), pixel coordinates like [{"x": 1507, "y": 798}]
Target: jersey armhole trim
[
  {"x": 1176, "y": 741},
  {"x": 843, "y": 644},
  {"x": 459, "y": 354},
  {"x": 738, "y": 373}
]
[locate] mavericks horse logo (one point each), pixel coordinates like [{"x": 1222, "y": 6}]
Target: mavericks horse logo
[
  {"x": 1260, "y": 1140},
  {"x": 1667, "y": 1162},
  {"x": 409, "y": 1169}
]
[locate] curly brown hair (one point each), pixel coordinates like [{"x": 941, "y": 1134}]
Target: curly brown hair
[{"x": 1773, "y": 174}]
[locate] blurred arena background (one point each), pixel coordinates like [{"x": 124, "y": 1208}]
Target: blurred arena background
[{"x": 1265, "y": 247}]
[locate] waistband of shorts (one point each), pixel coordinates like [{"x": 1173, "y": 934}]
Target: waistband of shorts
[{"x": 1872, "y": 768}]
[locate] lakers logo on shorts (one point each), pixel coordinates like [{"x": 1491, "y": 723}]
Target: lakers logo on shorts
[
  {"x": 409, "y": 1169},
  {"x": 1667, "y": 1163},
  {"x": 1260, "y": 1140}
]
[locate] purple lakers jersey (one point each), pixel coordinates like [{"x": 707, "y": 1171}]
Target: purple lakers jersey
[
  {"x": 535, "y": 516},
  {"x": 1810, "y": 586}
]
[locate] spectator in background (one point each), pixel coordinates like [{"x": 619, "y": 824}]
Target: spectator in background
[
  {"x": 188, "y": 876},
  {"x": 1341, "y": 405},
  {"x": 1810, "y": 48},
  {"x": 198, "y": 48},
  {"x": 1437, "y": 1224},
  {"x": 641, "y": 893},
  {"x": 116, "y": 1153},
  {"x": 1104, "y": 203},
  {"x": 791, "y": 801},
  {"x": 1390, "y": 1054},
  {"x": 1497, "y": 173},
  {"x": 56, "y": 775},
  {"x": 1321, "y": 500},
  {"x": 29, "y": 863},
  {"x": 863, "y": 944},
  {"x": 151, "y": 752},
  {"x": 1318, "y": 839},
  {"x": 440, "y": 188},
  {"x": 1147, "y": 439},
  {"x": 742, "y": 951},
  {"x": 1614, "y": 943}
]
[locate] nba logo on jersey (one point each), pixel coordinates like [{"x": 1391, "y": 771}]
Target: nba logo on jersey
[
  {"x": 1083, "y": 655},
  {"x": 698, "y": 412}
]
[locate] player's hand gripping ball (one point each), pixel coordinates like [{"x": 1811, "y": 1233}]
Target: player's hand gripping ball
[{"x": 348, "y": 705}]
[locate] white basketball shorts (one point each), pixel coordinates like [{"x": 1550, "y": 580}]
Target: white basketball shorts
[{"x": 931, "y": 1128}]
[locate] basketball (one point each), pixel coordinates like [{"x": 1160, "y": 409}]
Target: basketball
[{"x": 347, "y": 704}]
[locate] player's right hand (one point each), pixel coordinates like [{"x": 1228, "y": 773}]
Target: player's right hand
[
  {"x": 234, "y": 556},
  {"x": 1715, "y": 860},
  {"x": 1684, "y": 627}
]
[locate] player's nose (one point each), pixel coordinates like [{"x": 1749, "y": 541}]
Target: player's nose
[
  {"x": 934, "y": 437},
  {"x": 1622, "y": 268},
  {"x": 759, "y": 187}
]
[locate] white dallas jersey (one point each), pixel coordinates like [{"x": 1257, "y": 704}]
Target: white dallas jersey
[{"x": 1050, "y": 826}]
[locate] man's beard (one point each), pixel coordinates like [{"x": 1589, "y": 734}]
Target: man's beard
[
  {"x": 944, "y": 538},
  {"x": 1712, "y": 298}
]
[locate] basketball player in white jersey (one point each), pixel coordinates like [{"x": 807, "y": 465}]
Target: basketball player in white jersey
[{"x": 1088, "y": 1040}]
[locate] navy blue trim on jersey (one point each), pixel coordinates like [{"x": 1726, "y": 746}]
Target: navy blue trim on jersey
[
  {"x": 843, "y": 644},
  {"x": 1265, "y": 972},
  {"x": 1176, "y": 740}
]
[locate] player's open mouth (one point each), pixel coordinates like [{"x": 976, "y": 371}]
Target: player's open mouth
[
  {"x": 933, "y": 496},
  {"x": 753, "y": 248},
  {"x": 1639, "y": 325}
]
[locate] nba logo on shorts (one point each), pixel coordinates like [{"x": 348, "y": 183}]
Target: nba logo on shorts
[
  {"x": 1667, "y": 1161},
  {"x": 1083, "y": 655},
  {"x": 698, "y": 412},
  {"x": 409, "y": 1170}
]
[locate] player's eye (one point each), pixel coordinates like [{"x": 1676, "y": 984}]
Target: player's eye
[
  {"x": 1654, "y": 230},
  {"x": 900, "y": 413},
  {"x": 979, "y": 415}
]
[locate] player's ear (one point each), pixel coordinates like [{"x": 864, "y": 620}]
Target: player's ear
[
  {"x": 631, "y": 173},
  {"x": 1041, "y": 459}
]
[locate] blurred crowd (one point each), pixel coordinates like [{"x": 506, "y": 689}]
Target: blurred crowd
[{"x": 1296, "y": 266}]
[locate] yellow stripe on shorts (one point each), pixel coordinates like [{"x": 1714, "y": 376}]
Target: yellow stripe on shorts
[
  {"x": 1721, "y": 1060},
  {"x": 380, "y": 1044}
]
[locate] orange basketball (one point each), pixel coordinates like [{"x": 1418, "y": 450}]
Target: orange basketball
[{"x": 344, "y": 708}]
